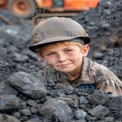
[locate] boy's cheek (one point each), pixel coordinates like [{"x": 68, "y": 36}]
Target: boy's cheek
[{"x": 50, "y": 61}]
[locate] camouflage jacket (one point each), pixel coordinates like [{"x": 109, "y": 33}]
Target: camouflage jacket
[{"x": 93, "y": 76}]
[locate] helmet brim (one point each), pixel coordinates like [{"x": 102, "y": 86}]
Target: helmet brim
[{"x": 43, "y": 43}]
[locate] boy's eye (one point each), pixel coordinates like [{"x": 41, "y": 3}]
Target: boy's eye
[
  {"x": 68, "y": 50},
  {"x": 49, "y": 54}
]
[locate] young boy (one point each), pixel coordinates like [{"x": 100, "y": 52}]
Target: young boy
[{"x": 63, "y": 44}]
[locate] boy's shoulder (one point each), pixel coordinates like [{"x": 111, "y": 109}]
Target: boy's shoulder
[
  {"x": 96, "y": 66},
  {"x": 92, "y": 65},
  {"x": 100, "y": 70}
]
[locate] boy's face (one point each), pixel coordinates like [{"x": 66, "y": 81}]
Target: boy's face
[{"x": 67, "y": 59}]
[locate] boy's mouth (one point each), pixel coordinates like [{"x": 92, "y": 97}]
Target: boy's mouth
[{"x": 64, "y": 65}]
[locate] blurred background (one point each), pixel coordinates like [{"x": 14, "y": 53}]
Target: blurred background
[{"x": 24, "y": 8}]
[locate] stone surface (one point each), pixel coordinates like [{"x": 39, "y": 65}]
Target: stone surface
[
  {"x": 7, "y": 118},
  {"x": 9, "y": 102},
  {"x": 98, "y": 97},
  {"x": 57, "y": 108},
  {"x": 99, "y": 111},
  {"x": 27, "y": 84},
  {"x": 115, "y": 106},
  {"x": 80, "y": 114}
]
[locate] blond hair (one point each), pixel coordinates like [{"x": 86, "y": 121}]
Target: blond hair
[{"x": 66, "y": 43}]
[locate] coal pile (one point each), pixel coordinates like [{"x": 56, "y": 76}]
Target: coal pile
[
  {"x": 103, "y": 24},
  {"x": 8, "y": 18},
  {"x": 25, "y": 97}
]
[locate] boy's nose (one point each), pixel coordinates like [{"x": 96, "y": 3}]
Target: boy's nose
[{"x": 61, "y": 57}]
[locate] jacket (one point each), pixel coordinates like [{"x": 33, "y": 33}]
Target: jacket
[{"x": 93, "y": 76}]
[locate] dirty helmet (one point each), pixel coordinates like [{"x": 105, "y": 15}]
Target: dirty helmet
[{"x": 57, "y": 29}]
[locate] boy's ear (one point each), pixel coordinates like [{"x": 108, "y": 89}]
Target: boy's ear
[{"x": 85, "y": 50}]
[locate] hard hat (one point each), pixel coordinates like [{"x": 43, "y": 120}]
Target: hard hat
[{"x": 57, "y": 29}]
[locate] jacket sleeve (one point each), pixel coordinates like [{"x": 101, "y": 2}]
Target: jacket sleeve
[{"x": 106, "y": 80}]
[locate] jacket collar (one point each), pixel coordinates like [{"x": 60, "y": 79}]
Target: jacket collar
[{"x": 85, "y": 72}]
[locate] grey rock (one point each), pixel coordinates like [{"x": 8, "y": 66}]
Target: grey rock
[
  {"x": 17, "y": 32},
  {"x": 105, "y": 26},
  {"x": 6, "y": 68},
  {"x": 16, "y": 115},
  {"x": 32, "y": 103},
  {"x": 90, "y": 118},
  {"x": 34, "y": 120},
  {"x": 28, "y": 85},
  {"x": 3, "y": 51},
  {"x": 99, "y": 111},
  {"x": 109, "y": 119},
  {"x": 83, "y": 100},
  {"x": 23, "y": 105},
  {"x": 9, "y": 102},
  {"x": 98, "y": 97},
  {"x": 13, "y": 49},
  {"x": 80, "y": 114},
  {"x": 84, "y": 107},
  {"x": 56, "y": 108},
  {"x": 100, "y": 121},
  {"x": 24, "y": 118},
  {"x": 113, "y": 59},
  {"x": 70, "y": 99},
  {"x": 20, "y": 57},
  {"x": 81, "y": 120},
  {"x": 12, "y": 18},
  {"x": 98, "y": 55},
  {"x": 115, "y": 106},
  {"x": 25, "y": 112},
  {"x": 33, "y": 110},
  {"x": 7, "y": 89},
  {"x": 7, "y": 118},
  {"x": 64, "y": 86}
]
